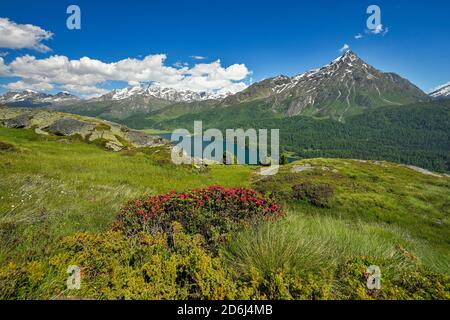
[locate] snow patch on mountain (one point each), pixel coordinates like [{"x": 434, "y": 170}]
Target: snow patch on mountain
[
  {"x": 34, "y": 97},
  {"x": 164, "y": 93},
  {"x": 344, "y": 62},
  {"x": 441, "y": 93}
]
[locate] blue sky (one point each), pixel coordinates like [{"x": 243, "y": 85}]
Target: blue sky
[{"x": 268, "y": 37}]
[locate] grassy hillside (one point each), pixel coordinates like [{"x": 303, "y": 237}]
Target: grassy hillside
[
  {"x": 53, "y": 188},
  {"x": 59, "y": 200},
  {"x": 391, "y": 196}
]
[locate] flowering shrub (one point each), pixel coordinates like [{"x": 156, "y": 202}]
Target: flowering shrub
[{"x": 212, "y": 212}]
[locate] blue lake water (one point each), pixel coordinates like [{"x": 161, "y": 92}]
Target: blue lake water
[{"x": 250, "y": 153}]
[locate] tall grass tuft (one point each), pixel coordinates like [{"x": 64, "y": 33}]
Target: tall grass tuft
[{"x": 304, "y": 244}]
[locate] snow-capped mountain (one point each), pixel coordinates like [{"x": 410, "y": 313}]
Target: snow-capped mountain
[
  {"x": 344, "y": 86},
  {"x": 134, "y": 95},
  {"x": 162, "y": 93},
  {"x": 442, "y": 93},
  {"x": 141, "y": 100},
  {"x": 33, "y": 99}
]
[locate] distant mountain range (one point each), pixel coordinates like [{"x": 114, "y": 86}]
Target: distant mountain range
[
  {"x": 157, "y": 92},
  {"x": 441, "y": 93},
  {"x": 347, "y": 86},
  {"x": 33, "y": 99},
  {"x": 133, "y": 95}
]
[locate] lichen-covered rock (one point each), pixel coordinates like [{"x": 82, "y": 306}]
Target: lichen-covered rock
[
  {"x": 141, "y": 139},
  {"x": 423, "y": 171},
  {"x": 300, "y": 168},
  {"x": 21, "y": 121},
  {"x": 68, "y": 127},
  {"x": 40, "y": 131},
  {"x": 114, "y": 146}
]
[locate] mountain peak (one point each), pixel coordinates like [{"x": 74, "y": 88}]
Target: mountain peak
[
  {"x": 350, "y": 54},
  {"x": 344, "y": 86},
  {"x": 348, "y": 57},
  {"x": 29, "y": 91}
]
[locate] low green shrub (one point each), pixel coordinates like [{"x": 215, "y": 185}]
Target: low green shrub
[
  {"x": 6, "y": 147},
  {"x": 318, "y": 195},
  {"x": 284, "y": 159},
  {"x": 102, "y": 127}
]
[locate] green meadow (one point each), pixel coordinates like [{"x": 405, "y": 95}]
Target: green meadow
[{"x": 58, "y": 192}]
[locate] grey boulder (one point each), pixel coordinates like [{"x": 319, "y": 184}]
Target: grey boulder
[{"x": 68, "y": 127}]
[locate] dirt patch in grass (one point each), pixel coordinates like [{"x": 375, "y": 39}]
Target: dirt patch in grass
[{"x": 6, "y": 147}]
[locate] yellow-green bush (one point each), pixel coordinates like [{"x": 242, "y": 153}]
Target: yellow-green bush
[
  {"x": 412, "y": 282},
  {"x": 114, "y": 266},
  {"x": 145, "y": 266},
  {"x": 21, "y": 281},
  {"x": 117, "y": 267}
]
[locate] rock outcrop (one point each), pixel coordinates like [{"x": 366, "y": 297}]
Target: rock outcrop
[
  {"x": 113, "y": 136},
  {"x": 21, "y": 121},
  {"x": 68, "y": 127}
]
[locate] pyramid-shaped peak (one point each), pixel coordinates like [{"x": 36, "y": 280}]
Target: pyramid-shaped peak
[
  {"x": 348, "y": 56},
  {"x": 348, "y": 59}
]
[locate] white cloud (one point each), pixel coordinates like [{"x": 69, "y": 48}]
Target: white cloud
[
  {"x": 3, "y": 68},
  {"x": 133, "y": 83},
  {"x": 379, "y": 29},
  {"x": 234, "y": 87},
  {"x": 21, "y": 85},
  {"x": 85, "y": 91},
  {"x": 215, "y": 71},
  {"x": 21, "y": 36},
  {"x": 198, "y": 57},
  {"x": 82, "y": 76},
  {"x": 359, "y": 36},
  {"x": 345, "y": 47},
  {"x": 180, "y": 64}
]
